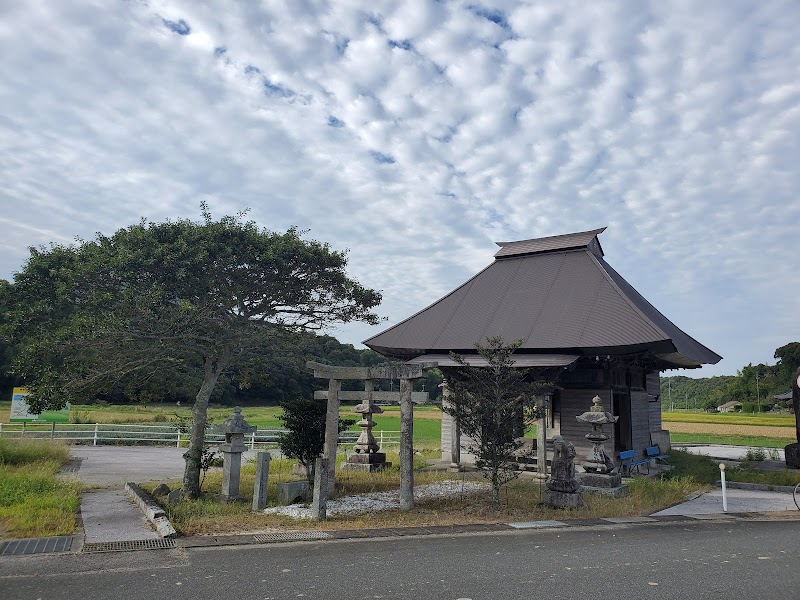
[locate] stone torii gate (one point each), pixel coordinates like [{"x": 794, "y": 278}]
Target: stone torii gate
[{"x": 405, "y": 373}]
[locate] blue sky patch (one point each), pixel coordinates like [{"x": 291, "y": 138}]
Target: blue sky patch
[
  {"x": 380, "y": 157},
  {"x": 334, "y": 122},
  {"x": 276, "y": 89},
  {"x": 220, "y": 50},
  {"x": 495, "y": 16},
  {"x": 251, "y": 70},
  {"x": 402, "y": 44},
  {"x": 181, "y": 27}
]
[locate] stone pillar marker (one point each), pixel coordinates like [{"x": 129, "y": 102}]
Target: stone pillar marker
[
  {"x": 319, "y": 504},
  {"x": 262, "y": 478},
  {"x": 234, "y": 429},
  {"x": 541, "y": 435},
  {"x": 406, "y": 446}
]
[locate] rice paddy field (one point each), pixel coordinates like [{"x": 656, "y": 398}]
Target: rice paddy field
[{"x": 771, "y": 430}]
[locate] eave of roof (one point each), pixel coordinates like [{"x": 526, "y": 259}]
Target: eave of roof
[{"x": 520, "y": 360}]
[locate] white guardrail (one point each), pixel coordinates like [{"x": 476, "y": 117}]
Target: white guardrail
[{"x": 162, "y": 435}]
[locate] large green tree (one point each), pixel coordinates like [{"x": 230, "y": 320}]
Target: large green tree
[{"x": 199, "y": 297}]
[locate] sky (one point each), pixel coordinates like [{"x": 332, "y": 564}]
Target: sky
[{"x": 418, "y": 133}]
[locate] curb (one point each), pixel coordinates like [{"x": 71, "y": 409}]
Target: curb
[
  {"x": 315, "y": 535},
  {"x": 760, "y": 487},
  {"x": 154, "y": 513}
]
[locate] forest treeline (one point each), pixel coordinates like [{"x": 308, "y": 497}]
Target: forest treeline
[{"x": 757, "y": 384}]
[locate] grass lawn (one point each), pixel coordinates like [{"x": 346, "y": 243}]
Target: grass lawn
[{"x": 33, "y": 501}]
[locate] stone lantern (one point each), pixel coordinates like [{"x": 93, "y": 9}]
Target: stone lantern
[
  {"x": 600, "y": 475},
  {"x": 366, "y": 454},
  {"x": 234, "y": 429}
]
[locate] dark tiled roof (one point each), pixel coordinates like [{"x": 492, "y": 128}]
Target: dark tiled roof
[
  {"x": 556, "y": 294},
  {"x": 569, "y": 241}
]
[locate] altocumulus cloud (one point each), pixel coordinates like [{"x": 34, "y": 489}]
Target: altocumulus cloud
[{"x": 417, "y": 133}]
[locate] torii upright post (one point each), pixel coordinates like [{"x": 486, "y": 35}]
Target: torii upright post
[
  {"x": 332, "y": 430},
  {"x": 406, "y": 446}
]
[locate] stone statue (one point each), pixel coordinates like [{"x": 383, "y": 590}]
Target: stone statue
[{"x": 562, "y": 472}]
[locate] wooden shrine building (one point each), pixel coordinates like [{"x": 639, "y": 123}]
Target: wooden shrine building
[{"x": 576, "y": 317}]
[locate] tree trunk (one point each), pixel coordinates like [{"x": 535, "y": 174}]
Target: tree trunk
[{"x": 213, "y": 368}]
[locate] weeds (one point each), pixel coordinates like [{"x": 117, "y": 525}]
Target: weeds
[
  {"x": 33, "y": 502},
  {"x": 755, "y": 455}
]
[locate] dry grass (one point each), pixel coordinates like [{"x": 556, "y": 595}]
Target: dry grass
[
  {"x": 733, "y": 430},
  {"x": 520, "y": 502}
]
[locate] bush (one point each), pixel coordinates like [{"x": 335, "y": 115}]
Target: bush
[{"x": 754, "y": 407}]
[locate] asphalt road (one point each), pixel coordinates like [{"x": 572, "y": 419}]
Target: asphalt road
[{"x": 699, "y": 560}]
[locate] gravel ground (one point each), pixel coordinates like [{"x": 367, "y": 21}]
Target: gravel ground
[{"x": 382, "y": 500}]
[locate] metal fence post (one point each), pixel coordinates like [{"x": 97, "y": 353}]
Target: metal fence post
[
  {"x": 53, "y": 430},
  {"x": 96, "y": 426},
  {"x": 253, "y": 440},
  {"x": 23, "y": 429},
  {"x": 1, "y": 430},
  {"x": 178, "y": 428}
]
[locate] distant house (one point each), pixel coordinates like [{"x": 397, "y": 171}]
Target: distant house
[
  {"x": 580, "y": 323},
  {"x": 784, "y": 396},
  {"x": 731, "y": 406}
]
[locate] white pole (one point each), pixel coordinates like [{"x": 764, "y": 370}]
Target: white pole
[
  {"x": 724, "y": 490},
  {"x": 95, "y": 434},
  {"x": 178, "y": 429}
]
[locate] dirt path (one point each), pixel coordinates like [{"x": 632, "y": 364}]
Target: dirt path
[{"x": 741, "y": 430}]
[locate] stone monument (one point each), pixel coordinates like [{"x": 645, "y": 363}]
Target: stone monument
[
  {"x": 792, "y": 451},
  {"x": 563, "y": 487},
  {"x": 601, "y": 475},
  {"x": 234, "y": 429},
  {"x": 366, "y": 455}
]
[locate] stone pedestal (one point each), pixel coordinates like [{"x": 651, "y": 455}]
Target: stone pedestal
[
  {"x": 792, "y": 452},
  {"x": 605, "y": 484},
  {"x": 375, "y": 461},
  {"x": 555, "y": 499}
]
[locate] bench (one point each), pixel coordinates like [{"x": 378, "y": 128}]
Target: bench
[
  {"x": 654, "y": 454},
  {"x": 628, "y": 462}
]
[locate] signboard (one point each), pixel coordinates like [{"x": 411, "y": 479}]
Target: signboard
[{"x": 20, "y": 411}]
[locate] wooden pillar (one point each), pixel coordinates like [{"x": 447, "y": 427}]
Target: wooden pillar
[
  {"x": 541, "y": 435},
  {"x": 406, "y": 446},
  {"x": 332, "y": 431}
]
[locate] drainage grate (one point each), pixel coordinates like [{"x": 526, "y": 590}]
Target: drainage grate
[
  {"x": 73, "y": 465},
  {"x": 159, "y": 544},
  {"x": 291, "y": 536},
  {"x": 62, "y": 543}
]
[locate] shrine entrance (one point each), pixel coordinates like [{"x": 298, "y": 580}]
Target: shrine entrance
[{"x": 366, "y": 446}]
